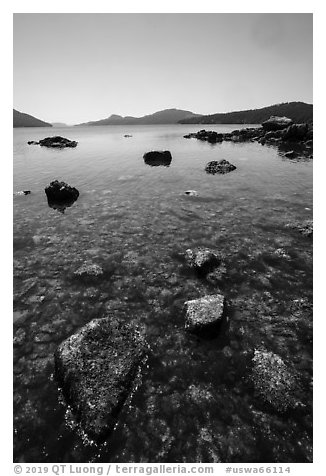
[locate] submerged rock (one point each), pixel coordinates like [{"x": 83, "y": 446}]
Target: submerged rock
[
  {"x": 202, "y": 260},
  {"x": 96, "y": 368},
  {"x": 204, "y": 314},
  {"x": 158, "y": 157},
  {"x": 219, "y": 167},
  {"x": 305, "y": 228},
  {"x": 89, "y": 271},
  {"x": 275, "y": 123},
  {"x": 274, "y": 381}
]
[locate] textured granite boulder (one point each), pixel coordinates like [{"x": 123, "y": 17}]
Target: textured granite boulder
[
  {"x": 96, "y": 369},
  {"x": 202, "y": 260},
  {"x": 274, "y": 382},
  {"x": 205, "y": 314},
  {"x": 275, "y": 122},
  {"x": 219, "y": 167},
  {"x": 158, "y": 157}
]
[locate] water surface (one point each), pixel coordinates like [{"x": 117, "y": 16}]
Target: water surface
[{"x": 195, "y": 402}]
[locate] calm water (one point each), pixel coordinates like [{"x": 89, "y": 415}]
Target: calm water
[{"x": 195, "y": 402}]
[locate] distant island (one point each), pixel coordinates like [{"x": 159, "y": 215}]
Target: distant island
[
  {"x": 167, "y": 116},
  {"x": 21, "y": 119},
  {"x": 299, "y": 112}
]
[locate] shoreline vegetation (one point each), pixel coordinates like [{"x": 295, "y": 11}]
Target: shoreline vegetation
[{"x": 298, "y": 112}]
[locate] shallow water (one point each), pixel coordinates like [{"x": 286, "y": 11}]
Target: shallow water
[{"x": 195, "y": 401}]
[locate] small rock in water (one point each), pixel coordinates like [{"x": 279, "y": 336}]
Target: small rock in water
[
  {"x": 219, "y": 167},
  {"x": 205, "y": 313},
  {"x": 96, "y": 369},
  {"x": 203, "y": 260},
  {"x": 89, "y": 271},
  {"x": 158, "y": 157},
  {"x": 23, "y": 192},
  {"x": 191, "y": 193}
]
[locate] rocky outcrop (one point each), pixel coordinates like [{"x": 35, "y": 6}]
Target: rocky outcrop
[
  {"x": 279, "y": 131},
  {"x": 219, "y": 167},
  {"x": 275, "y": 123},
  {"x": 205, "y": 314},
  {"x": 56, "y": 142},
  {"x": 210, "y": 136},
  {"x": 61, "y": 195},
  {"x": 96, "y": 369},
  {"x": 202, "y": 260},
  {"x": 158, "y": 157},
  {"x": 274, "y": 382}
]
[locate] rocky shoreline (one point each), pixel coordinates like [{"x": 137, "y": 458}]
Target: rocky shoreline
[{"x": 275, "y": 131}]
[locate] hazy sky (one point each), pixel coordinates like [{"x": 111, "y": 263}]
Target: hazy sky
[{"x": 79, "y": 67}]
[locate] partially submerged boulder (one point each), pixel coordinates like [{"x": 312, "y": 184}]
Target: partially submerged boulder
[
  {"x": 96, "y": 369},
  {"x": 202, "y": 260},
  {"x": 274, "y": 382},
  {"x": 276, "y": 122},
  {"x": 58, "y": 142},
  {"x": 205, "y": 314},
  {"x": 158, "y": 157},
  {"x": 61, "y": 192},
  {"x": 219, "y": 167}
]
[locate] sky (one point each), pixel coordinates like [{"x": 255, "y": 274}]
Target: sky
[{"x": 75, "y": 68}]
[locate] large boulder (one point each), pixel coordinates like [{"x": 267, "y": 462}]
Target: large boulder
[
  {"x": 205, "y": 314},
  {"x": 219, "y": 167},
  {"x": 202, "y": 260},
  {"x": 296, "y": 132},
  {"x": 96, "y": 369},
  {"x": 158, "y": 157},
  {"x": 57, "y": 142},
  {"x": 275, "y": 123}
]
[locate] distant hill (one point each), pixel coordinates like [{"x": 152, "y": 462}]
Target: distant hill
[
  {"x": 167, "y": 116},
  {"x": 25, "y": 120},
  {"x": 297, "y": 111}
]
